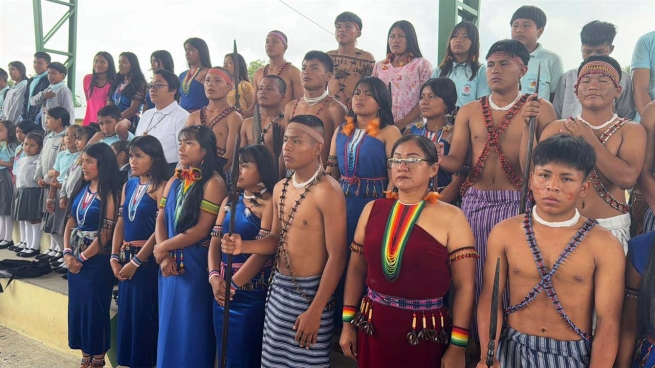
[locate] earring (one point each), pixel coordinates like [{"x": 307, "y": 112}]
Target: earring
[
  {"x": 261, "y": 185},
  {"x": 378, "y": 113}
]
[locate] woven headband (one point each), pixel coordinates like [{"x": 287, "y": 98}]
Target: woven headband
[
  {"x": 506, "y": 55},
  {"x": 221, "y": 74},
  {"x": 598, "y": 67},
  {"x": 279, "y": 35},
  {"x": 307, "y": 130}
]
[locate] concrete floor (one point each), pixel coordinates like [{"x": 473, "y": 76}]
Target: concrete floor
[{"x": 18, "y": 351}]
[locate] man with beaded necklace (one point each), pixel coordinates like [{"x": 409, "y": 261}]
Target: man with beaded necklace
[
  {"x": 493, "y": 128},
  {"x": 620, "y": 144},
  {"x": 559, "y": 267},
  {"x": 308, "y": 233}
]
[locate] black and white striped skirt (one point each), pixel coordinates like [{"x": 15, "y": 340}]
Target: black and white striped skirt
[{"x": 516, "y": 349}]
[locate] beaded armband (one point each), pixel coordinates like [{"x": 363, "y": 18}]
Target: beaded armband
[
  {"x": 108, "y": 224},
  {"x": 632, "y": 292},
  {"x": 217, "y": 231},
  {"x": 209, "y": 207},
  {"x": 120, "y": 211},
  {"x": 162, "y": 202},
  {"x": 262, "y": 233},
  {"x": 331, "y": 161},
  {"x": 348, "y": 313},
  {"x": 459, "y": 337},
  {"x": 462, "y": 253},
  {"x": 357, "y": 248}
]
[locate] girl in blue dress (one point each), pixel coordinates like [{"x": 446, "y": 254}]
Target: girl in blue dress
[
  {"x": 358, "y": 155},
  {"x": 438, "y": 107},
  {"x": 254, "y": 216},
  {"x": 87, "y": 245},
  {"x": 192, "y": 95},
  {"x": 130, "y": 90},
  {"x": 132, "y": 260},
  {"x": 187, "y": 214}
]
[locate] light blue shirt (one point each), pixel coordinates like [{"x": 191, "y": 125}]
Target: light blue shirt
[
  {"x": 551, "y": 72},
  {"x": 63, "y": 162},
  {"x": 6, "y": 153},
  {"x": 115, "y": 138},
  {"x": 643, "y": 57},
  {"x": 467, "y": 90},
  {"x": 35, "y": 81}
]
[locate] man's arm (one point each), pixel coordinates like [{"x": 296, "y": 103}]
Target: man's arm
[
  {"x": 624, "y": 168},
  {"x": 460, "y": 144},
  {"x": 640, "y": 87},
  {"x": 234, "y": 122},
  {"x": 609, "y": 284},
  {"x": 338, "y": 114},
  {"x": 247, "y": 124},
  {"x": 296, "y": 84}
]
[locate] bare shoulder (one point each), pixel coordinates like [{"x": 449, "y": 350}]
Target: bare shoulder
[
  {"x": 216, "y": 183},
  {"x": 468, "y": 110},
  {"x": 247, "y": 122},
  {"x": 366, "y": 55},
  {"x": 234, "y": 117},
  {"x": 634, "y": 128},
  {"x": 603, "y": 243},
  {"x": 445, "y": 211},
  {"x": 328, "y": 188},
  {"x": 389, "y": 132},
  {"x": 510, "y": 227},
  {"x": 293, "y": 68},
  {"x": 335, "y": 104},
  {"x": 193, "y": 119},
  {"x": 332, "y": 52}
]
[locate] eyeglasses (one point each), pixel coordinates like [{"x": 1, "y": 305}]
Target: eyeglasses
[
  {"x": 411, "y": 163},
  {"x": 156, "y": 86}
]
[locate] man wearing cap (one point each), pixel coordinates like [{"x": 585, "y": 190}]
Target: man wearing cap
[
  {"x": 528, "y": 24},
  {"x": 276, "y": 46},
  {"x": 350, "y": 63}
]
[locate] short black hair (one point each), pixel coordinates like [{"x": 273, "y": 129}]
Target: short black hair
[
  {"x": 323, "y": 58},
  {"x": 111, "y": 111},
  {"x": 121, "y": 146},
  {"x": 567, "y": 150},
  {"x": 349, "y": 17},
  {"x": 310, "y": 121},
  {"x": 596, "y": 33},
  {"x": 530, "y": 12},
  {"x": 36, "y": 136},
  {"x": 28, "y": 126},
  {"x": 172, "y": 80},
  {"x": 3, "y": 75},
  {"x": 512, "y": 47},
  {"x": 281, "y": 84},
  {"x": 43, "y": 55},
  {"x": 59, "y": 112},
  {"x": 608, "y": 59},
  {"x": 61, "y": 68}
]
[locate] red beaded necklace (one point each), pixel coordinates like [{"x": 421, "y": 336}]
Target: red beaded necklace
[{"x": 279, "y": 73}]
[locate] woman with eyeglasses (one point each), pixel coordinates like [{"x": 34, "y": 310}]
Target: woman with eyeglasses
[
  {"x": 406, "y": 70},
  {"x": 407, "y": 249}
]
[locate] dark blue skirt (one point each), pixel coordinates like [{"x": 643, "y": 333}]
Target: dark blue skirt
[
  {"x": 138, "y": 320},
  {"x": 89, "y": 299},
  {"x": 244, "y": 346}
]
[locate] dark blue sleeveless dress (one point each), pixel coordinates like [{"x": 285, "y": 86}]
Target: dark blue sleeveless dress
[
  {"x": 186, "y": 326},
  {"x": 89, "y": 291},
  {"x": 195, "y": 99},
  {"x": 137, "y": 298},
  {"x": 247, "y": 307}
]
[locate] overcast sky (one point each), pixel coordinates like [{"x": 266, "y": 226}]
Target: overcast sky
[{"x": 143, "y": 26}]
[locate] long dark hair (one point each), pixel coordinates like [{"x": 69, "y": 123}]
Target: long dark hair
[
  {"x": 164, "y": 59},
  {"x": 12, "y": 141},
  {"x": 381, "y": 95},
  {"x": 243, "y": 67},
  {"x": 59, "y": 112},
  {"x": 151, "y": 146},
  {"x": 646, "y": 300},
  {"x": 109, "y": 182},
  {"x": 21, "y": 68},
  {"x": 410, "y": 37},
  {"x": 260, "y": 155},
  {"x": 137, "y": 80},
  {"x": 87, "y": 132},
  {"x": 111, "y": 72},
  {"x": 473, "y": 57},
  {"x": 207, "y": 141},
  {"x": 445, "y": 89},
  {"x": 200, "y": 45}
]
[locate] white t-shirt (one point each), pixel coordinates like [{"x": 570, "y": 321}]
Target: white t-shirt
[{"x": 164, "y": 125}]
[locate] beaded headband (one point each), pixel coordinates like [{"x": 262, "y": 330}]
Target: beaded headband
[
  {"x": 221, "y": 74},
  {"x": 279, "y": 35},
  {"x": 507, "y": 55},
  {"x": 307, "y": 130},
  {"x": 598, "y": 67}
]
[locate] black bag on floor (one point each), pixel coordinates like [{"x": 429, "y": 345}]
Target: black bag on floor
[{"x": 22, "y": 270}]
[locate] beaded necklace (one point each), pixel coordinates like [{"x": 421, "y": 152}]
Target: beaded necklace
[
  {"x": 353, "y": 145},
  {"x": 493, "y": 141},
  {"x": 148, "y": 129},
  {"x": 284, "y": 229},
  {"x": 265, "y": 130},
  {"x": 188, "y": 79},
  {"x": 218, "y": 118},
  {"x": 295, "y": 106},
  {"x": 118, "y": 93},
  {"x": 88, "y": 198},
  {"x": 137, "y": 196},
  {"x": 400, "y": 223},
  {"x": 599, "y": 127},
  {"x": 279, "y": 73}
]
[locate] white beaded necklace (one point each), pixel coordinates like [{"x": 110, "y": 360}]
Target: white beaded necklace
[
  {"x": 302, "y": 185},
  {"x": 599, "y": 127},
  {"x": 311, "y": 101},
  {"x": 567, "y": 223},
  {"x": 496, "y": 107},
  {"x": 254, "y": 196}
]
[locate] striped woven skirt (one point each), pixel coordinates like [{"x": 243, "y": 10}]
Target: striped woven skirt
[
  {"x": 284, "y": 305},
  {"x": 516, "y": 349},
  {"x": 483, "y": 210}
]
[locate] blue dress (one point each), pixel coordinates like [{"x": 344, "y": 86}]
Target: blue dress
[
  {"x": 137, "y": 298},
  {"x": 247, "y": 307},
  {"x": 194, "y": 98},
  {"x": 443, "y": 178},
  {"x": 186, "y": 326},
  {"x": 638, "y": 254},
  {"x": 123, "y": 103},
  {"x": 89, "y": 291}
]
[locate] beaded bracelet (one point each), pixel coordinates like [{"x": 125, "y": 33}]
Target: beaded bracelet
[
  {"x": 81, "y": 258},
  {"x": 213, "y": 273},
  {"x": 135, "y": 261},
  {"x": 234, "y": 286},
  {"x": 632, "y": 292},
  {"x": 459, "y": 337},
  {"x": 68, "y": 251},
  {"x": 348, "y": 313},
  {"x": 114, "y": 257}
]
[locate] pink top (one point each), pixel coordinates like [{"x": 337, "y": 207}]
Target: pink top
[
  {"x": 96, "y": 101},
  {"x": 406, "y": 82}
]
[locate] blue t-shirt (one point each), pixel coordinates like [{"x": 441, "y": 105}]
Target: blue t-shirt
[
  {"x": 551, "y": 72},
  {"x": 639, "y": 250},
  {"x": 63, "y": 162},
  {"x": 643, "y": 57},
  {"x": 467, "y": 90},
  {"x": 115, "y": 138},
  {"x": 6, "y": 153}
]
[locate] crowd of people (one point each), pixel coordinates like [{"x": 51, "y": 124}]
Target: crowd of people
[{"x": 318, "y": 184}]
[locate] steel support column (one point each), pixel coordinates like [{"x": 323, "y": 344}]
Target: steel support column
[{"x": 452, "y": 12}]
